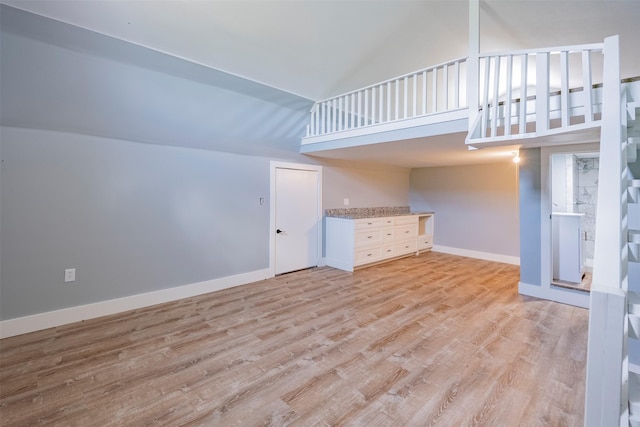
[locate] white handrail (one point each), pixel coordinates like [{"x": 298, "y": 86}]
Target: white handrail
[{"x": 552, "y": 50}]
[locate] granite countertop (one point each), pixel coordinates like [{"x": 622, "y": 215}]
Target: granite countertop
[
  {"x": 361, "y": 216},
  {"x": 359, "y": 213}
]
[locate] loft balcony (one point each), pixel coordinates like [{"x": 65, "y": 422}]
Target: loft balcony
[
  {"x": 427, "y": 102},
  {"x": 529, "y": 97}
]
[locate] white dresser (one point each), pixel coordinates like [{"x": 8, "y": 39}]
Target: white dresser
[{"x": 353, "y": 243}]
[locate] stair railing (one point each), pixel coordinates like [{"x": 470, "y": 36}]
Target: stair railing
[
  {"x": 436, "y": 89},
  {"x": 606, "y": 401}
]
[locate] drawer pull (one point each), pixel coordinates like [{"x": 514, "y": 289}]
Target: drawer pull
[
  {"x": 406, "y": 247},
  {"x": 369, "y": 254},
  {"x": 407, "y": 232},
  {"x": 369, "y": 237}
]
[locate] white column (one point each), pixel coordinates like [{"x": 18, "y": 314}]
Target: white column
[
  {"x": 472, "y": 63},
  {"x": 610, "y": 237}
]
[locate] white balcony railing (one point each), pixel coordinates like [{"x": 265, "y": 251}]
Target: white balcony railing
[
  {"x": 521, "y": 93},
  {"x": 536, "y": 91},
  {"x": 432, "y": 90}
]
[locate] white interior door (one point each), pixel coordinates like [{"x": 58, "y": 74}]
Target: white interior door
[{"x": 297, "y": 219}]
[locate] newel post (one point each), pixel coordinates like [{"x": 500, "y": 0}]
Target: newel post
[{"x": 606, "y": 395}]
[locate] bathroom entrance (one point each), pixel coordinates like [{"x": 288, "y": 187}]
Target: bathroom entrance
[{"x": 574, "y": 186}]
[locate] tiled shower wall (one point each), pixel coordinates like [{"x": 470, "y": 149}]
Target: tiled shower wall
[
  {"x": 587, "y": 169},
  {"x": 572, "y": 166}
]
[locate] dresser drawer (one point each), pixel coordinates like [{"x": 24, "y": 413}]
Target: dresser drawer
[
  {"x": 405, "y": 220},
  {"x": 425, "y": 241},
  {"x": 402, "y": 248},
  {"x": 388, "y": 222},
  {"x": 387, "y": 251},
  {"x": 368, "y": 255},
  {"x": 366, "y": 223},
  {"x": 405, "y": 231},
  {"x": 368, "y": 237},
  {"x": 387, "y": 234}
]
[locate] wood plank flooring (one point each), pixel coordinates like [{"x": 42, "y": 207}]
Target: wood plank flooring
[{"x": 430, "y": 340}]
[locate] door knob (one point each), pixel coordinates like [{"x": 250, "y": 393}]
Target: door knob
[{"x": 279, "y": 231}]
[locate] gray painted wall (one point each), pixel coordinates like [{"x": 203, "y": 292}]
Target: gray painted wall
[
  {"x": 476, "y": 206},
  {"x": 366, "y": 186},
  {"x": 142, "y": 171},
  {"x": 530, "y": 205},
  {"x": 58, "y": 77},
  {"x": 559, "y": 188},
  {"x": 131, "y": 217},
  {"x": 135, "y": 218}
]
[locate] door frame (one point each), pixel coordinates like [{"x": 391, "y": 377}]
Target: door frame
[
  {"x": 549, "y": 292},
  {"x": 272, "y": 207}
]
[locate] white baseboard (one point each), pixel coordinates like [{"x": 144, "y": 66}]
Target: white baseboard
[
  {"x": 50, "y": 319},
  {"x": 477, "y": 254},
  {"x": 340, "y": 264},
  {"x": 564, "y": 296}
]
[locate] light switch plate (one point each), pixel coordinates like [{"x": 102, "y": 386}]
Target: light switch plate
[{"x": 70, "y": 275}]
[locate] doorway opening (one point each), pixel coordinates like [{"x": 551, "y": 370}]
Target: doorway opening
[{"x": 574, "y": 188}]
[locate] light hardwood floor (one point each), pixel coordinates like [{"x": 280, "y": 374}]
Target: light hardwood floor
[{"x": 429, "y": 340}]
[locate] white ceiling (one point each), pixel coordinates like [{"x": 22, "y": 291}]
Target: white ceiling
[{"x": 320, "y": 48}]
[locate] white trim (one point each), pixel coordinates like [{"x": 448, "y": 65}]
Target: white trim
[
  {"x": 50, "y": 319},
  {"x": 564, "y": 296},
  {"x": 272, "y": 207},
  {"x": 507, "y": 259},
  {"x": 437, "y": 118}
]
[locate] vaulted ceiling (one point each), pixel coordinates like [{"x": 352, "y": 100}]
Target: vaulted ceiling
[
  {"x": 320, "y": 48},
  {"x": 314, "y": 49}
]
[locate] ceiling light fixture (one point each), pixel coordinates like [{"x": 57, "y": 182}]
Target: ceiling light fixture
[{"x": 516, "y": 157}]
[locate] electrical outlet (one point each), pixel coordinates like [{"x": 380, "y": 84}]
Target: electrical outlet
[
  {"x": 70, "y": 275},
  {"x": 346, "y": 202}
]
